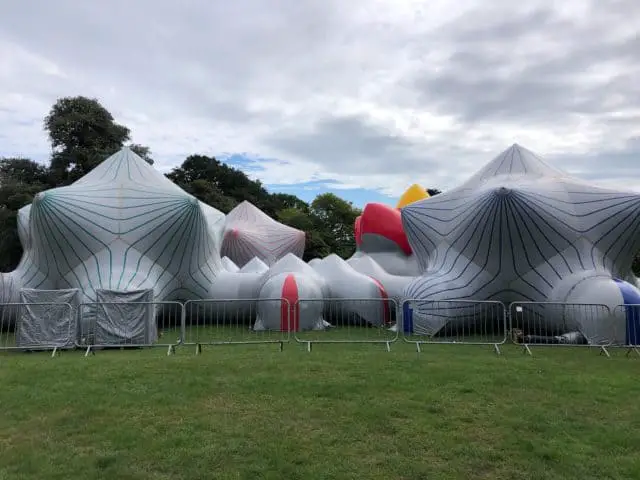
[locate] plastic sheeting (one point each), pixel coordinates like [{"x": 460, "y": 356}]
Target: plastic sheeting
[
  {"x": 124, "y": 318},
  {"x": 47, "y": 319}
]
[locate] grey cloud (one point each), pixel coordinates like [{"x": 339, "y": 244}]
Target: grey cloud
[
  {"x": 353, "y": 145},
  {"x": 487, "y": 78},
  {"x": 604, "y": 165}
]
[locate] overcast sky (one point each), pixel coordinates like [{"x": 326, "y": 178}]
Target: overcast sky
[{"x": 331, "y": 94}]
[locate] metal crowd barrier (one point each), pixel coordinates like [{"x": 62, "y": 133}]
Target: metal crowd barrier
[
  {"x": 352, "y": 320},
  {"x": 104, "y": 325},
  {"x": 630, "y": 316},
  {"x": 236, "y": 321},
  {"x": 561, "y": 324},
  {"x": 37, "y": 326},
  {"x": 448, "y": 322}
]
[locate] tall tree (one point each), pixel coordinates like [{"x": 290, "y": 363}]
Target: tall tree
[
  {"x": 335, "y": 218},
  {"x": 83, "y": 133}
]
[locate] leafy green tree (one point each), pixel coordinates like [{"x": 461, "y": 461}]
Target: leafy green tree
[
  {"x": 22, "y": 170},
  {"x": 301, "y": 218},
  {"x": 335, "y": 218},
  {"x": 13, "y": 196},
  {"x": 284, "y": 201},
  {"x": 315, "y": 246},
  {"x": 83, "y": 133},
  {"x": 211, "y": 195},
  {"x": 227, "y": 181},
  {"x": 296, "y": 218},
  {"x": 142, "y": 151}
]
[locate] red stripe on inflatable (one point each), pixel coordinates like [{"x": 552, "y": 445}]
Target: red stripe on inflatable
[
  {"x": 289, "y": 308},
  {"x": 385, "y": 298}
]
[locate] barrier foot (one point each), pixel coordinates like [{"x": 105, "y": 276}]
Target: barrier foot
[
  {"x": 308, "y": 346},
  {"x": 171, "y": 350},
  {"x": 198, "y": 349},
  {"x": 281, "y": 346},
  {"x": 526, "y": 349},
  {"x": 89, "y": 351},
  {"x": 604, "y": 350},
  {"x": 418, "y": 348},
  {"x": 633, "y": 349},
  {"x": 388, "y": 346},
  {"x": 496, "y": 348},
  {"x": 55, "y": 352}
]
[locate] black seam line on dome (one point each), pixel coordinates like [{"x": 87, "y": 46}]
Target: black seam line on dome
[
  {"x": 477, "y": 222},
  {"x": 206, "y": 243},
  {"x": 625, "y": 231},
  {"x": 420, "y": 216},
  {"x": 200, "y": 223},
  {"x": 127, "y": 193},
  {"x": 615, "y": 225},
  {"x": 491, "y": 212},
  {"x": 168, "y": 225},
  {"x": 165, "y": 221},
  {"x": 438, "y": 260},
  {"x": 513, "y": 210},
  {"x": 168, "y": 206},
  {"x": 621, "y": 201},
  {"x": 51, "y": 213},
  {"x": 495, "y": 171},
  {"x": 420, "y": 236},
  {"x": 526, "y": 209},
  {"x": 524, "y": 164},
  {"x": 178, "y": 229},
  {"x": 511, "y": 158}
]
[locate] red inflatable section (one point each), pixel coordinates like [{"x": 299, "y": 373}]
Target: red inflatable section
[
  {"x": 381, "y": 219},
  {"x": 356, "y": 230},
  {"x": 289, "y": 308}
]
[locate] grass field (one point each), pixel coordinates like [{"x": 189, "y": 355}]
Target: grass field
[{"x": 343, "y": 412}]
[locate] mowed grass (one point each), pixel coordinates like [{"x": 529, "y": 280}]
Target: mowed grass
[{"x": 338, "y": 412}]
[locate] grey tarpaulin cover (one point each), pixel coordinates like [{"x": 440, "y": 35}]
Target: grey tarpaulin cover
[
  {"x": 125, "y": 318},
  {"x": 48, "y": 318}
]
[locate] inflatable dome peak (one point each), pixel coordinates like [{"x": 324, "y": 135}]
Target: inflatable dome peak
[{"x": 413, "y": 194}]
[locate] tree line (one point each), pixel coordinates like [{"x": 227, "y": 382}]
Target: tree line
[{"x": 83, "y": 133}]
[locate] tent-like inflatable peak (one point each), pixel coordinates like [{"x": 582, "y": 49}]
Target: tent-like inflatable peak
[
  {"x": 116, "y": 231},
  {"x": 228, "y": 265},
  {"x": 249, "y": 233},
  {"x": 255, "y": 265},
  {"x": 412, "y": 194},
  {"x": 127, "y": 169},
  {"x": 515, "y": 161},
  {"x": 521, "y": 229}
]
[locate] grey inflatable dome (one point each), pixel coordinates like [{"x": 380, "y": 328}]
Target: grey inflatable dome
[{"x": 520, "y": 230}]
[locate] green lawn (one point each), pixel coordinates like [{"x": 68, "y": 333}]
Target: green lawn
[{"x": 344, "y": 412}]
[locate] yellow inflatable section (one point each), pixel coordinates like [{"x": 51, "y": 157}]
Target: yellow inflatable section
[{"x": 413, "y": 194}]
